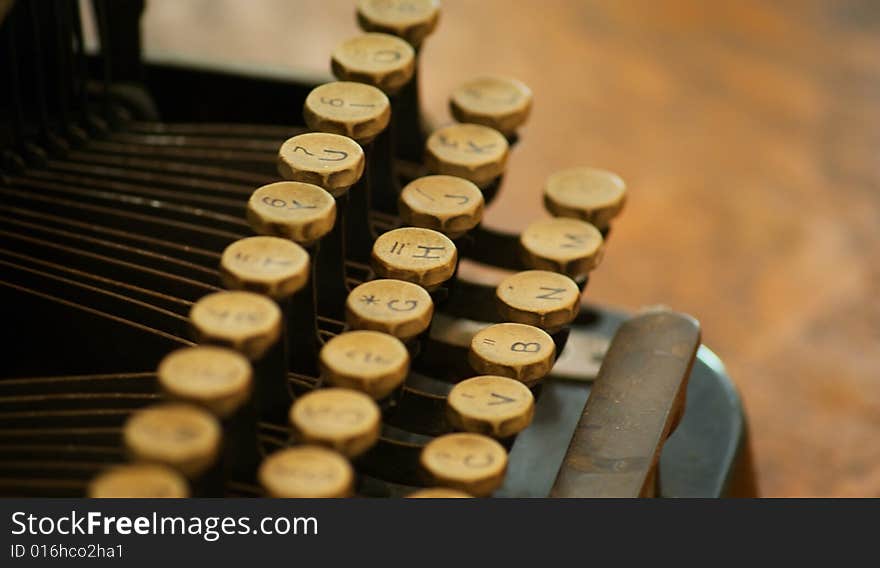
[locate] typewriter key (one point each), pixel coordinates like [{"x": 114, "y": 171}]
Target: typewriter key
[
  {"x": 395, "y": 307},
  {"x": 330, "y": 161},
  {"x": 420, "y": 256},
  {"x": 180, "y": 436},
  {"x": 307, "y": 472},
  {"x": 301, "y": 212},
  {"x": 381, "y": 60},
  {"x": 522, "y": 352},
  {"x": 497, "y": 102},
  {"x": 139, "y": 481},
  {"x": 592, "y": 195},
  {"x": 470, "y": 151},
  {"x": 367, "y": 361},
  {"x": 358, "y": 111},
  {"x": 271, "y": 266},
  {"x": 342, "y": 419},
  {"x": 438, "y": 493},
  {"x": 547, "y": 300},
  {"x": 569, "y": 246},
  {"x": 495, "y": 406},
  {"x": 412, "y": 20},
  {"x": 243, "y": 321},
  {"x": 468, "y": 462},
  {"x": 450, "y": 205}
]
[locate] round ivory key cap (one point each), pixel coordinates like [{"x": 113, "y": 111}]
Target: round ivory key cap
[
  {"x": 491, "y": 405},
  {"x": 243, "y": 321},
  {"x": 470, "y": 151},
  {"x": 547, "y": 300},
  {"x": 345, "y": 420},
  {"x": 330, "y": 161},
  {"x": 451, "y": 205},
  {"x": 139, "y": 481},
  {"x": 498, "y": 102},
  {"x": 421, "y": 256},
  {"x": 384, "y": 61},
  {"x": 468, "y": 462},
  {"x": 367, "y": 361},
  {"x": 271, "y": 266},
  {"x": 395, "y": 307},
  {"x": 519, "y": 351},
  {"x": 438, "y": 493},
  {"x": 412, "y": 20},
  {"x": 307, "y": 472},
  {"x": 569, "y": 246},
  {"x": 212, "y": 377},
  {"x": 301, "y": 212},
  {"x": 593, "y": 195},
  {"x": 180, "y": 436},
  {"x": 355, "y": 110}
]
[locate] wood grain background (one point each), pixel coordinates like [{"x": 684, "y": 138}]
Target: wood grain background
[{"x": 749, "y": 134}]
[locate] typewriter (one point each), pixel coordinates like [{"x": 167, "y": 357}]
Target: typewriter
[{"x": 226, "y": 285}]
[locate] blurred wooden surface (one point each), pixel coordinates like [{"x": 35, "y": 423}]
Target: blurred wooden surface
[{"x": 749, "y": 134}]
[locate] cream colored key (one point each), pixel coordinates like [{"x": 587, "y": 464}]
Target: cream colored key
[
  {"x": 501, "y": 103},
  {"x": 358, "y": 111},
  {"x": 448, "y": 204},
  {"x": 544, "y": 299},
  {"x": 180, "y": 436},
  {"x": 330, "y": 161},
  {"x": 438, "y": 493},
  {"x": 468, "y": 462},
  {"x": 420, "y": 256},
  {"x": 243, "y": 321},
  {"x": 301, "y": 212},
  {"x": 367, "y": 361},
  {"x": 139, "y": 481},
  {"x": 470, "y": 151},
  {"x": 522, "y": 352},
  {"x": 342, "y": 419},
  {"x": 214, "y": 378},
  {"x": 271, "y": 266},
  {"x": 590, "y": 194},
  {"x": 412, "y": 20},
  {"x": 307, "y": 472},
  {"x": 569, "y": 246},
  {"x": 384, "y": 61},
  {"x": 395, "y": 307},
  {"x": 492, "y": 405}
]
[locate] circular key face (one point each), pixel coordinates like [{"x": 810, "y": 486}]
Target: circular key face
[
  {"x": 468, "y": 462},
  {"x": 593, "y": 195},
  {"x": 515, "y": 350},
  {"x": 330, "y": 161},
  {"x": 307, "y": 472},
  {"x": 347, "y": 421},
  {"x": 491, "y": 405},
  {"x": 270, "y": 266},
  {"x": 215, "y": 378},
  {"x": 438, "y": 493},
  {"x": 547, "y": 300},
  {"x": 498, "y": 102},
  {"x": 421, "y": 256},
  {"x": 570, "y": 246},
  {"x": 367, "y": 361},
  {"x": 355, "y": 110},
  {"x": 139, "y": 481},
  {"x": 395, "y": 307},
  {"x": 381, "y": 60},
  {"x": 180, "y": 436},
  {"x": 412, "y": 20},
  {"x": 243, "y": 321},
  {"x": 470, "y": 151},
  {"x": 451, "y": 205},
  {"x": 302, "y": 212}
]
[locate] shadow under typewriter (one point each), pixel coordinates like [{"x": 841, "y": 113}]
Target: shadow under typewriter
[{"x": 105, "y": 246}]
